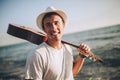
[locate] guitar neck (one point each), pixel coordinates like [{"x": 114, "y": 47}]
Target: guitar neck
[{"x": 70, "y": 44}]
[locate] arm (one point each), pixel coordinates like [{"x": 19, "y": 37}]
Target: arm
[{"x": 78, "y": 63}]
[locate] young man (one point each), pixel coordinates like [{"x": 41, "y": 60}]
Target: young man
[{"x": 53, "y": 60}]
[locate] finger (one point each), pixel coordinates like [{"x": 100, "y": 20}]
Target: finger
[
  {"x": 82, "y": 45},
  {"x": 85, "y": 47},
  {"x": 81, "y": 51}
]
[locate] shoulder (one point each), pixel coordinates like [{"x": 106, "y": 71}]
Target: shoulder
[
  {"x": 41, "y": 47},
  {"x": 38, "y": 51},
  {"x": 68, "y": 48}
]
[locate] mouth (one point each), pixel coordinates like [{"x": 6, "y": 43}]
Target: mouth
[{"x": 54, "y": 33}]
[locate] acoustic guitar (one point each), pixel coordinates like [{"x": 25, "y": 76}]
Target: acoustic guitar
[{"x": 37, "y": 37}]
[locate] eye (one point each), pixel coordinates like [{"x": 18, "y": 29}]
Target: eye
[
  {"x": 48, "y": 24},
  {"x": 56, "y": 22}
]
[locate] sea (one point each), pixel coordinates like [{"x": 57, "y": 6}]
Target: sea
[{"x": 104, "y": 42}]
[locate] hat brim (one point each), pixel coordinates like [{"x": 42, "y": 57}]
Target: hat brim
[{"x": 40, "y": 17}]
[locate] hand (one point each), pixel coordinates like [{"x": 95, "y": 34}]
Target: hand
[{"x": 84, "y": 49}]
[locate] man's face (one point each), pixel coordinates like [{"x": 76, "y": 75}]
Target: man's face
[{"x": 53, "y": 26}]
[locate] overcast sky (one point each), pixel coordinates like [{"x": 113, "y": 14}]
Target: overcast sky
[{"x": 82, "y": 14}]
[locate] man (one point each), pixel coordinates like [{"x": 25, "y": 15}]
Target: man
[{"x": 53, "y": 60}]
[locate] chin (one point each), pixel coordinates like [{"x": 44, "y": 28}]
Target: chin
[{"x": 56, "y": 38}]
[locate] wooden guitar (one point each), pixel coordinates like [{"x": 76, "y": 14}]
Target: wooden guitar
[{"x": 37, "y": 37}]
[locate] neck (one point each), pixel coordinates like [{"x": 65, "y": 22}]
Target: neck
[{"x": 55, "y": 44}]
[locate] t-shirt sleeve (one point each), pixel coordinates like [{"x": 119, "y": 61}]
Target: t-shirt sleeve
[{"x": 34, "y": 68}]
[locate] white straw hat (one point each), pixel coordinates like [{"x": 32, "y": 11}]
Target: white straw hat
[{"x": 50, "y": 9}]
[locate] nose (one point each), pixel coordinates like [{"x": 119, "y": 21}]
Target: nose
[{"x": 53, "y": 26}]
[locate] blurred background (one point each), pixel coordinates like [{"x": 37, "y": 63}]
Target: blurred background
[{"x": 95, "y": 22}]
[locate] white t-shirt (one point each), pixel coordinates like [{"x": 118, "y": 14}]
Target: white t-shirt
[{"x": 47, "y": 63}]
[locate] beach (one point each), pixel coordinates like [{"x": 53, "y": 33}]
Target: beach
[{"x": 104, "y": 42}]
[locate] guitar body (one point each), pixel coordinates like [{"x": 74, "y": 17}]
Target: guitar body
[{"x": 26, "y": 33}]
